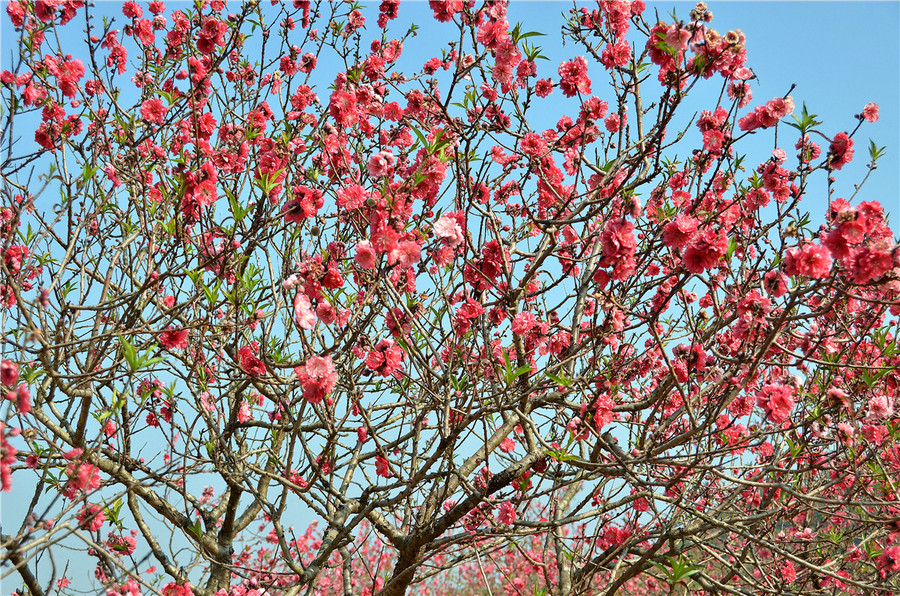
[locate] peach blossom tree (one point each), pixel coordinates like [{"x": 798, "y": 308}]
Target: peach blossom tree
[{"x": 496, "y": 325}]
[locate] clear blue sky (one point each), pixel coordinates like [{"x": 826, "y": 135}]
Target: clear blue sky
[{"x": 840, "y": 55}]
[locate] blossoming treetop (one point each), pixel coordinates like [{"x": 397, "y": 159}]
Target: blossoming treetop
[{"x": 481, "y": 351}]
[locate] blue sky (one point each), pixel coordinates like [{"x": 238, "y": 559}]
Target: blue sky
[{"x": 840, "y": 55}]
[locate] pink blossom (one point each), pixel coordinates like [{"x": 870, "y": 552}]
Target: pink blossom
[
  {"x": 612, "y": 123},
  {"x": 9, "y": 373},
  {"x": 533, "y": 145},
  {"x": 888, "y": 561},
  {"x": 305, "y": 203},
  {"x": 21, "y": 397},
  {"x": 249, "y": 362},
  {"x": 470, "y": 309},
  {"x": 206, "y": 400},
  {"x": 845, "y": 432},
  {"x": 619, "y": 245},
  {"x": 7, "y": 459},
  {"x": 83, "y": 476},
  {"x": 507, "y": 445},
  {"x": 523, "y": 322},
  {"x": 603, "y": 413},
  {"x": 777, "y": 401},
  {"x": 493, "y": 34},
  {"x": 14, "y": 256},
  {"x": 381, "y": 467},
  {"x": 618, "y": 54},
  {"x": 352, "y": 196},
  {"x": 16, "y": 13},
  {"x": 380, "y": 163},
  {"x": 706, "y": 251},
  {"x": 153, "y": 111},
  {"x": 677, "y": 233},
  {"x": 543, "y": 87},
  {"x": 112, "y": 175},
  {"x": 447, "y": 230},
  {"x": 765, "y": 116},
  {"x": 317, "y": 378},
  {"x": 244, "y": 414},
  {"x": 365, "y": 255},
  {"x": 326, "y": 313},
  {"x": 174, "y": 339},
  {"x": 132, "y": 10},
  {"x": 304, "y": 315},
  {"x": 307, "y": 63},
  {"x": 574, "y": 78},
  {"x": 753, "y": 306},
  {"x": 875, "y": 434},
  {"x": 507, "y": 513},
  {"x": 67, "y": 72},
  {"x": 406, "y": 254},
  {"x": 173, "y": 589},
  {"x": 91, "y": 517},
  {"x": 867, "y": 264},
  {"x": 879, "y": 407},
  {"x": 810, "y": 260},
  {"x": 788, "y": 573},
  {"x": 840, "y": 153},
  {"x": 870, "y": 112},
  {"x": 775, "y": 284},
  {"x": 362, "y": 434}
]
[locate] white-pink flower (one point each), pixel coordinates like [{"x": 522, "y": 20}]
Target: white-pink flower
[
  {"x": 523, "y": 322},
  {"x": 317, "y": 377},
  {"x": 507, "y": 513},
  {"x": 880, "y": 407},
  {"x": 304, "y": 315},
  {"x": 244, "y": 414},
  {"x": 365, "y": 255},
  {"x": 870, "y": 112},
  {"x": 447, "y": 229},
  {"x": 380, "y": 163}
]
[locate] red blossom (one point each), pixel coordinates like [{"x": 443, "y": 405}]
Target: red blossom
[
  {"x": 574, "y": 78},
  {"x": 840, "y": 153},
  {"x": 870, "y": 112},
  {"x": 317, "y": 377},
  {"x": 153, "y": 111},
  {"x": 249, "y": 362},
  {"x": 174, "y": 339}
]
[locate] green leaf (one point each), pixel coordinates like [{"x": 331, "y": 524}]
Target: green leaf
[
  {"x": 732, "y": 245},
  {"x": 236, "y": 208},
  {"x": 559, "y": 379},
  {"x": 130, "y": 354},
  {"x": 874, "y": 151},
  {"x": 517, "y": 34},
  {"x": 196, "y": 529},
  {"x": 805, "y": 121},
  {"x": 113, "y": 512},
  {"x": 560, "y": 455},
  {"x": 421, "y": 136},
  {"x": 512, "y": 375}
]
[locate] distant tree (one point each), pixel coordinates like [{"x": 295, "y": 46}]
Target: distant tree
[{"x": 488, "y": 357}]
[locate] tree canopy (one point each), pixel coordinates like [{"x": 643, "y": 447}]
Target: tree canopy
[{"x": 497, "y": 325}]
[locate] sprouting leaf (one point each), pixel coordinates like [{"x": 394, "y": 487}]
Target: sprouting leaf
[
  {"x": 196, "y": 529},
  {"x": 129, "y": 353},
  {"x": 874, "y": 151},
  {"x": 559, "y": 379}
]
